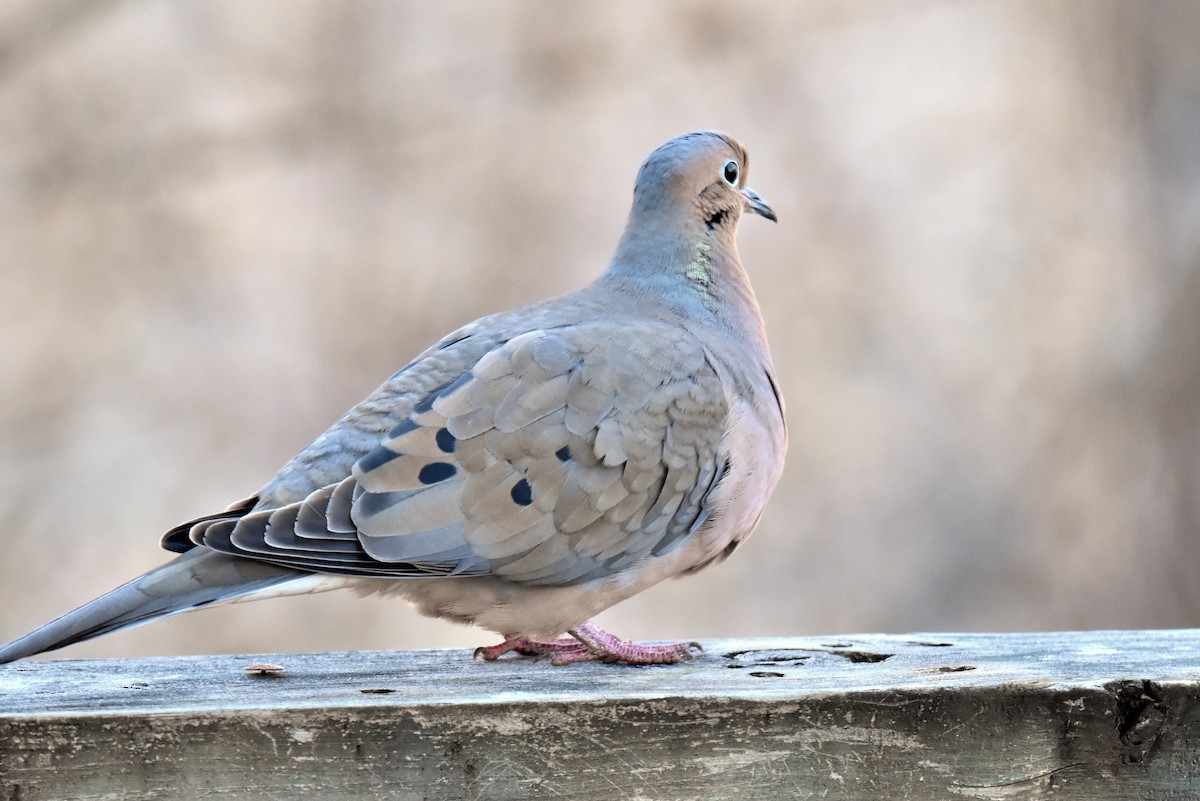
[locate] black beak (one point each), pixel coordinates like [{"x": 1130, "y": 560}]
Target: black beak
[{"x": 759, "y": 206}]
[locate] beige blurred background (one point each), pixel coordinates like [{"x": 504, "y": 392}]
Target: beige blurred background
[{"x": 222, "y": 223}]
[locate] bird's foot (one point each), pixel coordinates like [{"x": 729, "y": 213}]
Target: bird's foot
[
  {"x": 527, "y": 647},
  {"x": 600, "y": 646},
  {"x": 590, "y": 643}
]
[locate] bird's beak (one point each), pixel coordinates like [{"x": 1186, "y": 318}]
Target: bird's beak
[{"x": 759, "y": 206}]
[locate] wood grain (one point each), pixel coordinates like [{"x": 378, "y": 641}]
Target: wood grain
[{"x": 1096, "y": 716}]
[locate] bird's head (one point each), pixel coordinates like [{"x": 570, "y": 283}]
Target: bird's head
[{"x": 701, "y": 175}]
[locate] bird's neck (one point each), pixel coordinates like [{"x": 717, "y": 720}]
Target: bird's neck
[{"x": 694, "y": 271}]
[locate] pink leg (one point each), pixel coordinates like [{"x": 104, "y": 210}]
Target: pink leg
[
  {"x": 604, "y": 647},
  {"x": 590, "y": 643},
  {"x": 527, "y": 647}
]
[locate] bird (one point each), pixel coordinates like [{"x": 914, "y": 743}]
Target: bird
[{"x": 534, "y": 467}]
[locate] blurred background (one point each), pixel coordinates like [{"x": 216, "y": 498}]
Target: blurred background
[{"x": 223, "y": 223}]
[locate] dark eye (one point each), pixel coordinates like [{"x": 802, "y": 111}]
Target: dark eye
[{"x": 731, "y": 172}]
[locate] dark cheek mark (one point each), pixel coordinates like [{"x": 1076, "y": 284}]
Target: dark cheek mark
[{"x": 715, "y": 220}]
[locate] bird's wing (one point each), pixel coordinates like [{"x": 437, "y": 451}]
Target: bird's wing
[{"x": 563, "y": 454}]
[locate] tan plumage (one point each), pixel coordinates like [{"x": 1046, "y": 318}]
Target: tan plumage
[{"x": 536, "y": 466}]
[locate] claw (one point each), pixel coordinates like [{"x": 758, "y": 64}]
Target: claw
[{"x": 491, "y": 653}]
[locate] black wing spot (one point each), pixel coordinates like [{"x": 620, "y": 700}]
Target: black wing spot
[
  {"x": 563, "y": 453},
  {"x": 372, "y": 503},
  {"x": 376, "y": 458},
  {"x": 435, "y": 472},
  {"x": 403, "y": 427},
  {"x": 522, "y": 493},
  {"x": 426, "y": 403},
  {"x": 445, "y": 440}
]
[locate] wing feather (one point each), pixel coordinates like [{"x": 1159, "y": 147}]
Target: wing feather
[{"x": 561, "y": 455}]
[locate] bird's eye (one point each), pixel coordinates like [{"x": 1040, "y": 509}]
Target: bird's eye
[{"x": 731, "y": 172}]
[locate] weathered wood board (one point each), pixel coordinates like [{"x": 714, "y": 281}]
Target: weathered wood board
[{"x": 1095, "y": 716}]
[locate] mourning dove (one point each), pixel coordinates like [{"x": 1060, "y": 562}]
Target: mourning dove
[{"x": 534, "y": 467}]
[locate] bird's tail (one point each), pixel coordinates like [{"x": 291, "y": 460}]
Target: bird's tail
[{"x": 197, "y": 578}]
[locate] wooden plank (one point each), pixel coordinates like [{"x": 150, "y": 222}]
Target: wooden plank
[{"x": 1108, "y": 715}]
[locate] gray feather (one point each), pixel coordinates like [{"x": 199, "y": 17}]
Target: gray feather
[{"x": 198, "y": 578}]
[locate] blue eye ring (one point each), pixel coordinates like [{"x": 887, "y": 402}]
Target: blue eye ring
[{"x": 730, "y": 172}]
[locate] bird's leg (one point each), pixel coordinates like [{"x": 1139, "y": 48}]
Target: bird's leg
[
  {"x": 590, "y": 643},
  {"x": 604, "y": 647},
  {"x": 526, "y": 647}
]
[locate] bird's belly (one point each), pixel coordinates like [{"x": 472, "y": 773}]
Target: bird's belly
[{"x": 537, "y": 612}]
